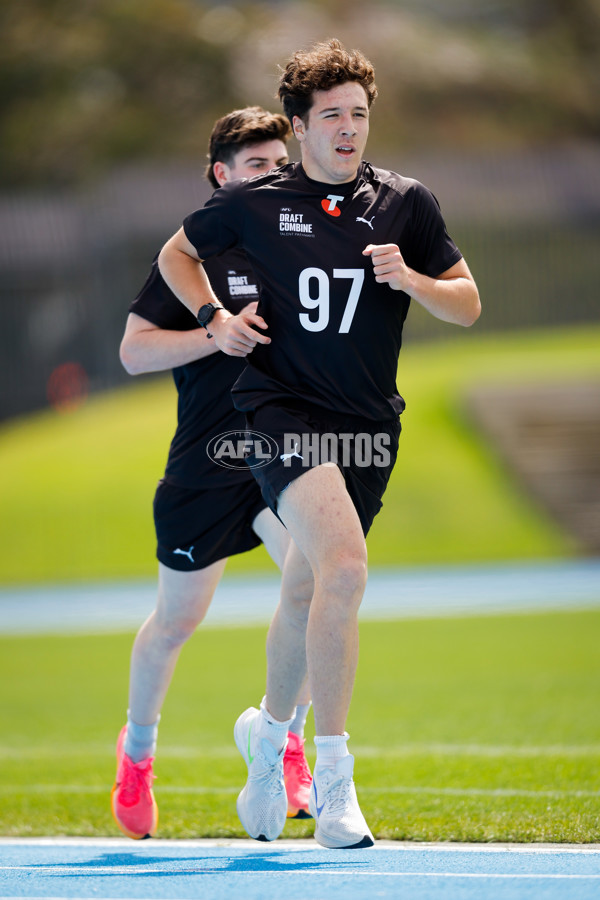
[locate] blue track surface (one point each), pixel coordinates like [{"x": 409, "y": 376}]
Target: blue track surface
[
  {"x": 391, "y": 594},
  {"x": 246, "y": 870}
]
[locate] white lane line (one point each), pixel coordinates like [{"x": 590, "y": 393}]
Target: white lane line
[
  {"x": 487, "y": 750},
  {"x": 478, "y": 792},
  {"x": 6, "y": 790},
  {"x": 297, "y": 845},
  {"x": 117, "y": 871},
  {"x": 229, "y": 751}
]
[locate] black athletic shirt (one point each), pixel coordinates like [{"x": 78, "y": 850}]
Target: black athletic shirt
[
  {"x": 204, "y": 406},
  {"x": 336, "y": 333}
]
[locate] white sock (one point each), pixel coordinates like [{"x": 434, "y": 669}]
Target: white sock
[
  {"x": 272, "y": 729},
  {"x": 297, "y": 726},
  {"x": 140, "y": 740},
  {"x": 330, "y": 749}
]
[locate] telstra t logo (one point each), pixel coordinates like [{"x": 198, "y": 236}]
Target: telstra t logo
[{"x": 330, "y": 204}]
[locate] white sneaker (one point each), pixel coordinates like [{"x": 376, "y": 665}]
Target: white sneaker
[
  {"x": 334, "y": 807},
  {"x": 262, "y": 804}
]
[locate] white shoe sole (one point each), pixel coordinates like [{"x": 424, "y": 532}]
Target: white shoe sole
[{"x": 333, "y": 843}]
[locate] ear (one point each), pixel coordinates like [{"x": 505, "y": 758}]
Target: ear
[
  {"x": 221, "y": 172},
  {"x": 298, "y": 126}
]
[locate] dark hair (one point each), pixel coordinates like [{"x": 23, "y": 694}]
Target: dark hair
[
  {"x": 321, "y": 68},
  {"x": 240, "y": 129}
]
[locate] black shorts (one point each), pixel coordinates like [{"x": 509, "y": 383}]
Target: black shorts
[
  {"x": 365, "y": 452},
  {"x": 195, "y": 528}
]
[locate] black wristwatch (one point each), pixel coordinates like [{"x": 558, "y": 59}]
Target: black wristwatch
[{"x": 206, "y": 314}]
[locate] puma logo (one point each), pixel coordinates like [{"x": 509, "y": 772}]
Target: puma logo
[
  {"x": 285, "y": 456},
  {"x": 187, "y": 553},
  {"x": 366, "y": 221}
]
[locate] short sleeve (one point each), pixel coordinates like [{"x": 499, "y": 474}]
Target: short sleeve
[
  {"x": 432, "y": 250},
  {"x": 218, "y": 225},
  {"x": 157, "y": 303}
]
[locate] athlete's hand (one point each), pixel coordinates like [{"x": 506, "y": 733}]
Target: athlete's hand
[
  {"x": 389, "y": 266},
  {"x": 237, "y": 335}
]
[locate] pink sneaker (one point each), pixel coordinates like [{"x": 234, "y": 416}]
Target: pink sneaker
[
  {"x": 297, "y": 777},
  {"x": 133, "y": 805}
]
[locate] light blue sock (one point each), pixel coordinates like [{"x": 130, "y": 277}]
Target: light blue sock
[
  {"x": 297, "y": 726},
  {"x": 140, "y": 740}
]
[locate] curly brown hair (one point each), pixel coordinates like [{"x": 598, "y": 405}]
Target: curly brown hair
[
  {"x": 321, "y": 68},
  {"x": 240, "y": 129}
]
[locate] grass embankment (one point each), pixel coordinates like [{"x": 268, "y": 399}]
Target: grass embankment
[{"x": 77, "y": 489}]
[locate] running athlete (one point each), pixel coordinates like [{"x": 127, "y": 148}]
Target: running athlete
[
  {"x": 340, "y": 248},
  {"x": 202, "y": 513}
]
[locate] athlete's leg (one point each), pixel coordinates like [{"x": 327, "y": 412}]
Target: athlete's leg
[
  {"x": 183, "y": 601},
  {"x": 321, "y": 518},
  {"x": 296, "y": 588},
  {"x": 273, "y": 534},
  {"x": 287, "y": 680},
  {"x": 324, "y": 524},
  {"x": 296, "y": 591}
]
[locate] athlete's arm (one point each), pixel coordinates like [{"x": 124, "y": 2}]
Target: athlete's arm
[
  {"x": 452, "y": 296},
  {"x": 182, "y": 269},
  {"x": 148, "y": 348}
]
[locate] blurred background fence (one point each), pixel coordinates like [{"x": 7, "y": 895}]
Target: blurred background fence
[
  {"x": 106, "y": 107},
  {"x": 72, "y": 261}
]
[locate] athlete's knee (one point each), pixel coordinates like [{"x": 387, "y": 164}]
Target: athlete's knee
[
  {"x": 183, "y": 601},
  {"x": 344, "y": 574},
  {"x": 174, "y": 628},
  {"x": 297, "y": 586},
  {"x": 175, "y": 634},
  {"x": 296, "y": 599}
]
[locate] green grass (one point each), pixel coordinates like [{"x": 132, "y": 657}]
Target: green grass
[
  {"x": 76, "y": 491},
  {"x": 464, "y": 729}
]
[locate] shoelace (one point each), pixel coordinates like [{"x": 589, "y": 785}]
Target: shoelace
[
  {"x": 297, "y": 758},
  {"x": 337, "y": 795},
  {"x": 270, "y": 775},
  {"x": 137, "y": 779}
]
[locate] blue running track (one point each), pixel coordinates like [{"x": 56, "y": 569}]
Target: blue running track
[
  {"x": 246, "y": 870},
  {"x": 391, "y": 594}
]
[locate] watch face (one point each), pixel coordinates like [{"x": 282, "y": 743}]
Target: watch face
[{"x": 205, "y": 313}]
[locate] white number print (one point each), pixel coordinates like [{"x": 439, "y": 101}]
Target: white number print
[{"x": 320, "y": 302}]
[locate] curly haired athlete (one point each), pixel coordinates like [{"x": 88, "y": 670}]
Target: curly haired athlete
[{"x": 340, "y": 247}]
